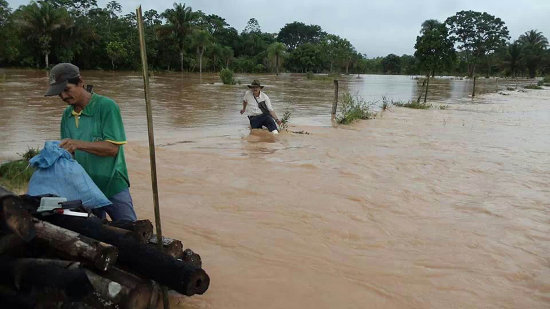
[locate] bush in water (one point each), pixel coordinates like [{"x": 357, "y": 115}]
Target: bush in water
[
  {"x": 354, "y": 108},
  {"x": 226, "y": 76}
]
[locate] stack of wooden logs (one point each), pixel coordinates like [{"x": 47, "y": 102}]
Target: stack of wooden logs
[{"x": 68, "y": 261}]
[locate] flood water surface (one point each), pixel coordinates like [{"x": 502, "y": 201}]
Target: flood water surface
[{"x": 414, "y": 209}]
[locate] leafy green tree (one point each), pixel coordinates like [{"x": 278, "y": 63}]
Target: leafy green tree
[
  {"x": 5, "y": 12},
  {"x": 477, "y": 34},
  {"x": 434, "y": 48},
  {"x": 40, "y": 21},
  {"x": 276, "y": 51},
  {"x": 408, "y": 65},
  {"x": 179, "y": 26},
  {"x": 391, "y": 64},
  {"x": 337, "y": 51},
  {"x": 9, "y": 50},
  {"x": 82, "y": 6},
  {"x": 252, "y": 26},
  {"x": 533, "y": 45},
  {"x": 116, "y": 51},
  {"x": 362, "y": 65},
  {"x": 227, "y": 55},
  {"x": 306, "y": 58},
  {"x": 297, "y": 33}
]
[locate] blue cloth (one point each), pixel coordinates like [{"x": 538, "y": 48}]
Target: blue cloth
[
  {"x": 122, "y": 208},
  {"x": 58, "y": 173}
]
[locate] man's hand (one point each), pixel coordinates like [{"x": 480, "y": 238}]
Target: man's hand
[
  {"x": 70, "y": 144},
  {"x": 242, "y": 111},
  {"x": 278, "y": 121}
]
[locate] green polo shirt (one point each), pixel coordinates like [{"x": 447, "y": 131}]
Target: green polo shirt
[{"x": 100, "y": 120}]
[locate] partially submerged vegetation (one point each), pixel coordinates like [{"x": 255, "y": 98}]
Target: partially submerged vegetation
[
  {"x": 353, "y": 108},
  {"x": 413, "y": 104},
  {"x": 226, "y": 75},
  {"x": 533, "y": 86},
  {"x": 15, "y": 175},
  {"x": 284, "y": 120}
]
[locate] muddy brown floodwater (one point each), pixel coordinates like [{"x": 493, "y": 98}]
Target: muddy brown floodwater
[{"x": 439, "y": 208}]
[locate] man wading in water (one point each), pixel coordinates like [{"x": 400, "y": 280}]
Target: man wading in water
[{"x": 260, "y": 112}]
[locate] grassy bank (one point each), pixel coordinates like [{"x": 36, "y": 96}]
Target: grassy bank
[{"x": 15, "y": 175}]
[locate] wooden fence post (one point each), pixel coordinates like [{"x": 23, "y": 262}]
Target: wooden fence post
[
  {"x": 474, "y": 88},
  {"x": 335, "y": 103}
]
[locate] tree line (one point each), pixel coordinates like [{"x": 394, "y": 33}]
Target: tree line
[{"x": 50, "y": 31}]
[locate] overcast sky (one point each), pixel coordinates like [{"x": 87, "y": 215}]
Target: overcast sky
[{"x": 374, "y": 27}]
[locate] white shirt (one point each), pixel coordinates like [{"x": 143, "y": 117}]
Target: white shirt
[{"x": 252, "y": 108}]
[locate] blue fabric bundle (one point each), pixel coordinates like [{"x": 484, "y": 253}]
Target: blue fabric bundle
[{"x": 58, "y": 173}]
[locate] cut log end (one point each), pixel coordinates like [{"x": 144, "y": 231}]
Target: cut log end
[
  {"x": 15, "y": 219},
  {"x": 197, "y": 283},
  {"x": 107, "y": 256}
]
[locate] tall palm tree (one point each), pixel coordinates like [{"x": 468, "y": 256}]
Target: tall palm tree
[
  {"x": 41, "y": 20},
  {"x": 276, "y": 50},
  {"x": 201, "y": 39},
  {"x": 513, "y": 57},
  {"x": 179, "y": 25},
  {"x": 534, "y": 45}
]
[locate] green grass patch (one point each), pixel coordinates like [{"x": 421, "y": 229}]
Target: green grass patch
[
  {"x": 413, "y": 104},
  {"x": 532, "y": 87},
  {"x": 15, "y": 175},
  {"x": 353, "y": 108}
]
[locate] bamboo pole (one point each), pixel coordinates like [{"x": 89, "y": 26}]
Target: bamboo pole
[{"x": 152, "y": 157}]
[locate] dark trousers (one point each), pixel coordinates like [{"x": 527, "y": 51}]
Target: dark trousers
[
  {"x": 121, "y": 209},
  {"x": 256, "y": 122}
]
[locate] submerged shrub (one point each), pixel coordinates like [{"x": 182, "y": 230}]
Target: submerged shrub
[
  {"x": 412, "y": 104},
  {"x": 226, "y": 75},
  {"x": 385, "y": 104},
  {"x": 284, "y": 120},
  {"x": 353, "y": 108},
  {"x": 532, "y": 87}
]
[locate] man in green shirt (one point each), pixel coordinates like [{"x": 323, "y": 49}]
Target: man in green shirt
[{"x": 92, "y": 130}]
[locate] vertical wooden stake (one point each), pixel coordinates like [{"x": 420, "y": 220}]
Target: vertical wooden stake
[
  {"x": 152, "y": 156},
  {"x": 427, "y": 85},
  {"x": 474, "y": 88},
  {"x": 335, "y": 103}
]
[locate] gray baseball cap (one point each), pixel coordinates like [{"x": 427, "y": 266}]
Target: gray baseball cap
[{"x": 59, "y": 75}]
